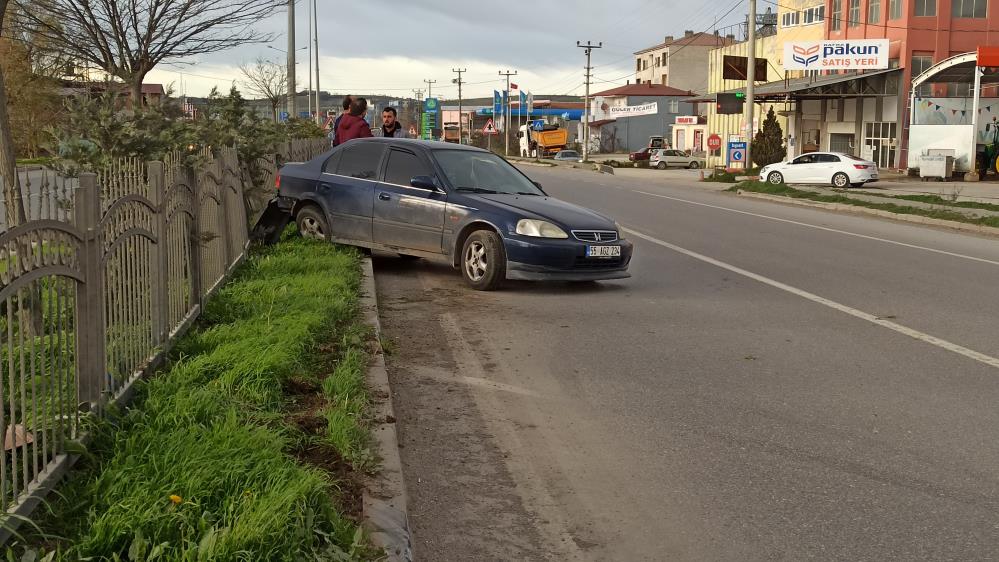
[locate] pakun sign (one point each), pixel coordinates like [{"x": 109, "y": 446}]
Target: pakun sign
[{"x": 855, "y": 54}]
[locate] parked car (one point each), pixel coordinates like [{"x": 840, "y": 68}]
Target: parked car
[
  {"x": 641, "y": 155},
  {"x": 664, "y": 158},
  {"x": 568, "y": 155},
  {"x": 836, "y": 168},
  {"x": 458, "y": 204}
]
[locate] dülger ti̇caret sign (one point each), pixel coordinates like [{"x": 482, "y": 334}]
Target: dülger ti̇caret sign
[{"x": 855, "y": 54}]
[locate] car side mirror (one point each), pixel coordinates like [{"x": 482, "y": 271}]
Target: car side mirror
[{"x": 424, "y": 182}]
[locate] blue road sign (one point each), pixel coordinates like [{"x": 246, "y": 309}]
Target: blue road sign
[
  {"x": 283, "y": 116},
  {"x": 538, "y": 125},
  {"x": 737, "y": 153}
]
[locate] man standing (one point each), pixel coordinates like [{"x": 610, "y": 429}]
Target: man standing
[
  {"x": 347, "y": 100},
  {"x": 390, "y": 125},
  {"x": 353, "y": 125}
]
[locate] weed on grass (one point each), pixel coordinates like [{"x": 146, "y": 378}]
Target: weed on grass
[
  {"x": 206, "y": 465},
  {"x": 786, "y": 191}
]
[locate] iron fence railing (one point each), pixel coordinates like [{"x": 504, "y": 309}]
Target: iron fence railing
[{"x": 104, "y": 273}]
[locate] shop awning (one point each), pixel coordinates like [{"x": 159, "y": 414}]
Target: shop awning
[{"x": 852, "y": 85}]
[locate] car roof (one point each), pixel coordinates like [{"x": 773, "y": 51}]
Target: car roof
[{"x": 420, "y": 144}]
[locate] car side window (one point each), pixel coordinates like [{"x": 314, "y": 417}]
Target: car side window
[
  {"x": 403, "y": 167},
  {"x": 807, "y": 159},
  {"x": 830, "y": 158},
  {"x": 361, "y": 160},
  {"x": 332, "y": 162}
]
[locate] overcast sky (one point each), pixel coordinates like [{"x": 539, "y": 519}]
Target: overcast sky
[{"x": 391, "y": 46}]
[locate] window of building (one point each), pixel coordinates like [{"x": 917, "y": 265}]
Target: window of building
[
  {"x": 894, "y": 9},
  {"x": 674, "y": 106},
  {"x": 638, "y": 65},
  {"x": 926, "y": 8},
  {"x": 790, "y": 19},
  {"x": 968, "y": 8},
  {"x": 645, "y": 65},
  {"x": 920, "y": 63},
  {"x": 854, "y": 13},
  {"x": 813, "y": 15},
  {"x": 665, "y": 82},
  {"x": 874, "y": 11},
  {"x": 836, "y": 12}
]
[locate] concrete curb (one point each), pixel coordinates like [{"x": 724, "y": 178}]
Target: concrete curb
[
  {"x": 384, "y": 511},
  {"x": 840, "y": 207}
]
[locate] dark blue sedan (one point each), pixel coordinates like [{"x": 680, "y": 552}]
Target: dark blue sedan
[{"x": 459, "y": 204}]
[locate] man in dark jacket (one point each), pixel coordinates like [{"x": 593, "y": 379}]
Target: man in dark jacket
[
  {"x": 336, "y": 122},
  {"x": 353, "y": 126},
  {"x": 390, "y": 125}
]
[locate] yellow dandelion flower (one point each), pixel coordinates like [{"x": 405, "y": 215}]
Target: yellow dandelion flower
[{"x": 176, "y": 499}]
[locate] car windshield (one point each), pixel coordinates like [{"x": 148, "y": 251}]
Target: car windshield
[
  {"x": 483, "y": 172},
  {"x": 570, "y": 153}
]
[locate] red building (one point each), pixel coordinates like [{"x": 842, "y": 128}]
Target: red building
[{"x": 921, "y": 32}]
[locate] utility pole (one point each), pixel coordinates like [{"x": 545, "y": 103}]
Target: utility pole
[
  {"x": 430, "y": 87},
  {"x": 750, "y": 83},
  {"x": 506, "y": 111},
  {"x": 292, "y": 112},
  {"x": 315, "y": 39},
  {"x": 419, "y": 112},
  {"x": 460, "y": 116},
  {"x": 310, "y": 58},
  {"x": 588, "y": 47}
]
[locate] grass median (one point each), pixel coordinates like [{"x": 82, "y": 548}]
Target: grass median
[
  {"x": 783, "y": 190},
  {"x": 249, "y": 445}
]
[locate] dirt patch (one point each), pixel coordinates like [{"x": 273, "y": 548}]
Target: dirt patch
[{"x": 349, "y": 482}]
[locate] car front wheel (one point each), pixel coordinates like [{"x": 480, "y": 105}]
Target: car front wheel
[
  {"x": 483, "y": 260},
  {"x": 661, "y": 165},
  {"x": 841, "y": 180},
  {"x": 775, "y": 178},
  {"x": 694, "y": 165},
  {"x": 312, "y": 224}
]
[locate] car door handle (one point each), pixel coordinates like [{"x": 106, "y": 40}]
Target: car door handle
[{"x": 384, "y": 196}]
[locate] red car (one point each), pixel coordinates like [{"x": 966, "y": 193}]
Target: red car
[{"x": 641, "y": 155}]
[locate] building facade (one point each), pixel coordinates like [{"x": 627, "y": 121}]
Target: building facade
[
  {"x": 612, "y": 129},
  {"x": 679, "y": 62}
]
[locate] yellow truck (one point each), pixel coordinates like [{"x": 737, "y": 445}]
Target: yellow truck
[{"x": 550, "y": 140}]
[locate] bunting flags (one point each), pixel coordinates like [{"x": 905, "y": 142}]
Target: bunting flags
[{"x": 964, "y": 112}]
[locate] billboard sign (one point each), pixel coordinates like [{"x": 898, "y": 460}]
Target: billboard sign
[
  {"x": 634, "y": 110},
  {"x": 686, "y": 119},
  {"x": 854, "y": 54}
]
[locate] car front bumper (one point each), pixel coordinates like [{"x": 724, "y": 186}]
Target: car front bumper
[{"x": 545, "y": 259}]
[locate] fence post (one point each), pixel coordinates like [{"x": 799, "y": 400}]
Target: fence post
[
  {"x": 158, "y": 269},
  {"x": 224, "y": 225},
  {"x": 194, "y": 237},
  {"x": 91, "y": 365}
]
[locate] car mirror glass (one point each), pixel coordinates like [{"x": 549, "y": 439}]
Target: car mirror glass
[{"x": 424, "y": 182}]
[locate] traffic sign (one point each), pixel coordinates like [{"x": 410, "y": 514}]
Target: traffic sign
[
  {"x": 412, "y": 131},
  {"x": 714, "y": 142},
  {"x": 737, "y": 153},
  {"x": 538, "y": 125},
  {"x": 490, "y": 128}
]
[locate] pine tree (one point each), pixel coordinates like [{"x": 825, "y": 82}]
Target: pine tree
[{"x": 768, "y": 146}]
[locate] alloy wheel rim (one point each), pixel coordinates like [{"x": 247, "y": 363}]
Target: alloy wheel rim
[
  {"x": 311, "y": 229},
  {"x": 475, "y": 261}
]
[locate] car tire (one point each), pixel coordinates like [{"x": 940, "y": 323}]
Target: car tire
[
  {"x": 694, "y": 165},
  {"x": 483, "y": 260},
  {"x": 661, "y": 165},
  {"x": 841, "y": 180},
  {"x": 312, "y": 224},
  {"x": 775, "y": 178}
]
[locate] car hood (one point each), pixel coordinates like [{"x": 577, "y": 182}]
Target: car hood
[{"x": 565, "y": 214}]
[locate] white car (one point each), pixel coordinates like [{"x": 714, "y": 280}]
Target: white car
[
  {"x": 663, "y": 158},
  {"x": 836, "y": 168}
]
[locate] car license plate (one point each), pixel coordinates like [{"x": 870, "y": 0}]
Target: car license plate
[{"x": 603, "y": 251}]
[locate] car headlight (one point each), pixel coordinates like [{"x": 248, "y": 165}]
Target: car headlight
[{"x": 539, "y": 229}]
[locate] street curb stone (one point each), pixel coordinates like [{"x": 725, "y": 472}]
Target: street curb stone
[
  {"x": 841, "y": 207},
  {"x": 384, "y": 510}
]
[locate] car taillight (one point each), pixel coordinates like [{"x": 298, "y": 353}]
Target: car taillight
[
  {"x": 860, "y": 166},
  {"x": 277, "y": 182}
]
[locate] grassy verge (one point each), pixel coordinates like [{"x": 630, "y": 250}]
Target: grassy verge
[
  {"x": 33, "y": 162},
  {"x": 937, "y": 200},
  {"x": 785, "y": 191},
  {"x": 249, "y": 444}
]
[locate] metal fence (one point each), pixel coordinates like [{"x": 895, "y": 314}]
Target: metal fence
[{"x": 94, "y": 286}]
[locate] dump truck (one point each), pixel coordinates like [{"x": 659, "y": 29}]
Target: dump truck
[{"x": 550, "y": 140}]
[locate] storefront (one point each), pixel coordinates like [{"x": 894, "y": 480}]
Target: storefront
[{"x": 690, "y": 133}]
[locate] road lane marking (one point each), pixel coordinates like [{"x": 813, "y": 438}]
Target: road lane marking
[
  {"x": 825, "y": 228},
  {"x": 478, "y": 382},
  {"x": 873, "y": 319}
]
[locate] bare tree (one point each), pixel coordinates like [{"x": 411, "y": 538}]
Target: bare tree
[
  {"x": 128, "y": 38},
  {"x": 266, "y": 80},
  {"x": 13, "y": 205}
]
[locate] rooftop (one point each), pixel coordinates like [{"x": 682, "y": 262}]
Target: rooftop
[
  {"x": 645, "y": 90},
  {"x": 694, "y": 40}
]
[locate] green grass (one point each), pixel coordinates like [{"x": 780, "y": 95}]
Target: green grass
[
  {"x": 216, "y": 430},
  {"x": 785, "y": 191},
  {"x": 34, "y": 161},
  {"x": 937, "y": 200}
]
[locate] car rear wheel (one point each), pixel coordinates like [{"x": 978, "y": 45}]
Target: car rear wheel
[
  {"x": 694, "y": 165},
  {"x": 312, "y": 224},
  {"x": 841, "y": 180},
  {"x": 661, "y": 165},
  {"x": 483, "y": 260},
  {"x": 775, "y": 178}
]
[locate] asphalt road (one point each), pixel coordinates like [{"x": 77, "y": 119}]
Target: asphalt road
[{"x": 774, "y": 383}]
